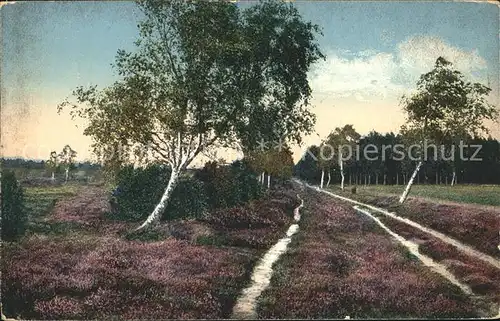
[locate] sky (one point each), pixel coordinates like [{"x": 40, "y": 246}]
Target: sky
[{"x": 375, "y": 53}]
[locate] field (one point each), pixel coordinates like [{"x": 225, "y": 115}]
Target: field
[
  {"x": 471, "y": 194},
  {"x": 344, "y": 265},
  {"x": 76, "y": 262},
  {"x": 470, "y": 223}
]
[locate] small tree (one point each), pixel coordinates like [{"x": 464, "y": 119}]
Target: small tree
[
  {"x": 445, "y": 105},
  {"x": 14, "y": 214},
  {"x": 67, "y": 160},
  {"x": 279, "y": 163},
  {"x": 340, "y": 139},
  {"x": 52, "y": 164}
]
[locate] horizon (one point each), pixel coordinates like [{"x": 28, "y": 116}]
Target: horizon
[{"x": 371, "y": 61}]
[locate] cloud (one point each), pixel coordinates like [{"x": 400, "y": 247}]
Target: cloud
[
  {"x": 369, "y": 75},
  {"x": 344, "y": 74},
  {"x": 418, "y": 55}
]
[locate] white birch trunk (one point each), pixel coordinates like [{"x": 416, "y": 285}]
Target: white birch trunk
[
  {"x": 268, "y": 180},
  {"x": 453, "y": 178},
  {"x": 67, "y": 173},
  {"x": 322, "y": 178},
  {"x": 53, "y": 176},
  {"x": 397, "y": 178},
  {"x": 262, "y": 178},
  {"x": 410, "y": 183},
  {"x": 155, "y": 215},
  {"x": 329, "y": 178},
  {"x": 342, "y": 177}
]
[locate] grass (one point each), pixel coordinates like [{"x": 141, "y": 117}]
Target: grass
[
  {"x": 40, "y": 200},
  {"x": 472, "y": 194}
]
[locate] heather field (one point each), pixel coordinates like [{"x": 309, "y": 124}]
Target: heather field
[
  {"x": 342, "y": 264},
  {"x": 482, "y": 278},
  {"x": 75, "y": 263},
  {"x": 471, "y": 224}
]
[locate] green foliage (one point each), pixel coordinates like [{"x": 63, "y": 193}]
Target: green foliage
[
  {"x": 308, "y": 167},
  {"x": 446, "y": 106},
  {"x": 244, "y": 178},
  {"x": 228, "y": 186},
  {"x": 203, "y": 73},
  {"x": 188, "y": 200},
  {"x": 139, "y": 190},
  {"x": 14, "y": 214}
]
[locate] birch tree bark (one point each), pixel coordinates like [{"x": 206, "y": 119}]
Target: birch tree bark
[
  {"x": 162, "y": 204},
  {"x": 342, "y": 174},
  {"x": 410, "y": 183}
]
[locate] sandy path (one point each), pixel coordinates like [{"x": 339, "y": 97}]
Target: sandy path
[
  {"x": 460, "y": 246},
  {"x": 245, "y": 307}
]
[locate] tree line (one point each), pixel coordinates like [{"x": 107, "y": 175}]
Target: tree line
[{"x": 373, "y": 169}]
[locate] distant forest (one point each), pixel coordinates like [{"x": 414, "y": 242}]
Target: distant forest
[
  {"x": 390, "y": 171},
  {"x": 11, "y": 163}
]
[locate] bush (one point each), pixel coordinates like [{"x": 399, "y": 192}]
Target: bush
[
  {"x": 139, "y": 191},
  {"x": 228, "y": 186},
  {"x": 14, "y": 214},
  {"x": 188, "y": 200}
]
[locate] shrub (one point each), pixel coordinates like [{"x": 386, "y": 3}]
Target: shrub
[
  {"x": 14, "y": 214},
  {"x": 188, "y": 200},
  {"x": 228, "y": 186},
  {"x": 139, "y": 191}
]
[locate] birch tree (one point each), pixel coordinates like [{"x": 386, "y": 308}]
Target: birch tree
[
  {"x": 343, "y": 139},
  {"x": 67, "y": 160},
  {"x": 204, "y": 75},
  {"x": 52, "y": 164},
  {"x": 445, "y": 105}
]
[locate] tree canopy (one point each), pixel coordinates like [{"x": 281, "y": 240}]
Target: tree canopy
[{"x": 204, "y": 74}]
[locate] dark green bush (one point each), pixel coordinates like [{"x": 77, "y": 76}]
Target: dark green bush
[
  {"x": 139, "y": 191},
  {"x": 249, "y": 187},
  {"x": 228, "y": 186},
  {"x": 14, "y": 214},
  {"x": 188, "y": 200}
]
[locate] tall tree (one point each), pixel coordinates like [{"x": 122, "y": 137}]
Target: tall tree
[
  {"x": 445, "y": 105},
  {"x": 204, "y": 75},
  {"x": 67, "y": 160}
]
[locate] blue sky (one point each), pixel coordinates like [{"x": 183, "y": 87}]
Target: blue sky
[{"x": 376, "y": 50}]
